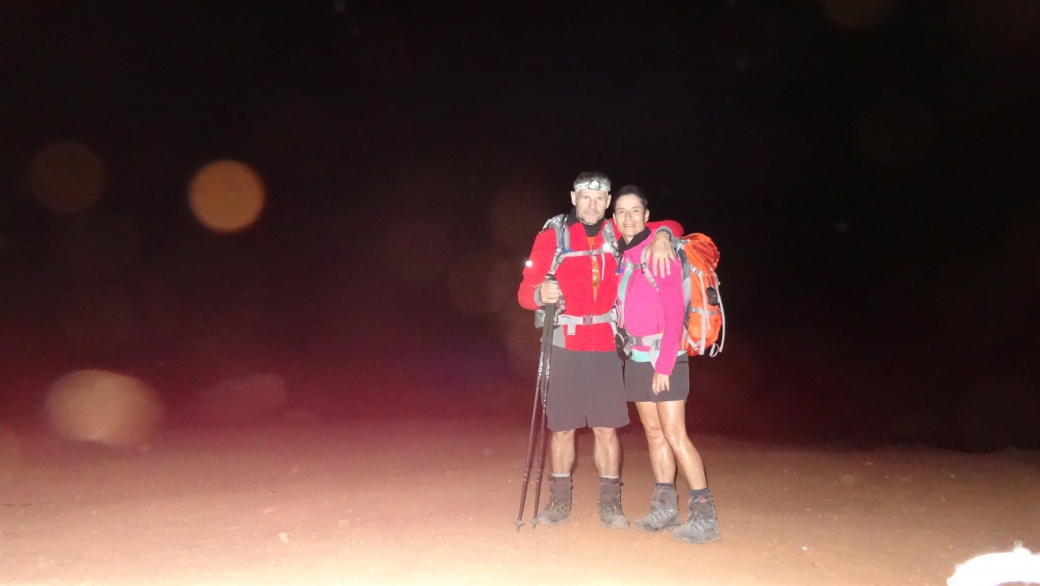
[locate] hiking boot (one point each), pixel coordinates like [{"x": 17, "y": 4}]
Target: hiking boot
[
  {"x": 664, "y": 511},
  {"x": 559, "y": 508},
  {"x": 702, "y": 525},
  {"x": 610, "y": 514}
]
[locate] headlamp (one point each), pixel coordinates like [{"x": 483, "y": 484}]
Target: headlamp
[{"x": 593, "y": 184}]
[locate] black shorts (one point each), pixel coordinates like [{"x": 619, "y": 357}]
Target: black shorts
[
  {"x": 585, "y": 388},
  {"x": 640, "y": 375}
]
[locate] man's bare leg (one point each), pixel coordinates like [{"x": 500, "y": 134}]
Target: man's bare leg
[
  {"x": 662, "y": 461},
  {"x": 563, "y": 451},
  {"x": 672, "y": 415},
  {"x": 607, "y": 451}
]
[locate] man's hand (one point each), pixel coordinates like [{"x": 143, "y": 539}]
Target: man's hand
[
  {"x": 549, "y": 292},
  {"x": 661, "y": 254},
  {"x": 660, "y": 384}
]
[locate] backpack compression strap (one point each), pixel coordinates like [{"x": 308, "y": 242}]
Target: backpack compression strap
[{"x": 570, "y": 322}]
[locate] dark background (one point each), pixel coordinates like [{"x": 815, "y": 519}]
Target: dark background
[{"x": 868, "y": 170}]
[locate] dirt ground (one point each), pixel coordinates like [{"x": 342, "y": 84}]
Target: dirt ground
[{"x": 421, "y": 502}]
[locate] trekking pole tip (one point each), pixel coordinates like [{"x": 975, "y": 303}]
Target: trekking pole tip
[{"x": 519, "y": 523}]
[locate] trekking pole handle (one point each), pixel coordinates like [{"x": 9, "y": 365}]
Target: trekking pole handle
[{"x": 551, "y": 278}]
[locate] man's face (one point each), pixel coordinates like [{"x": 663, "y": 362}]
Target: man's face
[
  {"x": 630, "y": 215},
  {"x": 590, "y": 205}
]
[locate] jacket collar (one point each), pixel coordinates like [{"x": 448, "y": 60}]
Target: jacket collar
[
  {"x": 638, "y": 239},
  {"x": 590, "y": 231}
]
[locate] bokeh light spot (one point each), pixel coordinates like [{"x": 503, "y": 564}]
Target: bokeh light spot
[
  {"x": 857, "y": 14},
  {"x": 103, "y": 407},
  {"x": 226, "y": 196},
  {"x": 67, "y": 177}
]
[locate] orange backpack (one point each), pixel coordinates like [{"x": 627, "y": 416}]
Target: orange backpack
[{"x": 704, "y": 329}]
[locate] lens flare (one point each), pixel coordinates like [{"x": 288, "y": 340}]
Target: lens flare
[
  {"x": 1018, "y": 566},
  {"x": 103, "y": 407},
  {"x": 67, "y": 177},
  {"x": 226, "y": 196}
]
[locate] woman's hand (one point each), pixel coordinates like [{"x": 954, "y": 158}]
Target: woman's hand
[
  {"x": 661, "y": 254},
  {"x": 659, "y": 384}
]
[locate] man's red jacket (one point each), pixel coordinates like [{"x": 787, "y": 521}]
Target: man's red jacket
[{"x": 575, "y": 278}]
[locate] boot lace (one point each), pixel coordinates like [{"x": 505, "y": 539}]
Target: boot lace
[{"x": 658, "y": 517}]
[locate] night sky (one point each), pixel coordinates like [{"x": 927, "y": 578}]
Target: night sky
[{"x": 868, "y": 170}]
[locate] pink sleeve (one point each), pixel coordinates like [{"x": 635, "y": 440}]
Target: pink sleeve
[{"x": 670, "y": 289}]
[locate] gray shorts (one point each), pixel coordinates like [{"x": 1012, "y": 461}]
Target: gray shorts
[
  {"x": 639, "y": 376},
  {"x": 585, "y": 388}
]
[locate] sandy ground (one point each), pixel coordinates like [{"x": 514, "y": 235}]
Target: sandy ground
[{"x": 434, "y": 503}]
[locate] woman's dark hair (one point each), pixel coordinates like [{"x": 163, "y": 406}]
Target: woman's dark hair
[{"x": 632, "y": 190}]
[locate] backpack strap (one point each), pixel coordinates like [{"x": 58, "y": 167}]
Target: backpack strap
[
  {"x": 625, "y": 273},
  {"x": 569, "y": 323},
  {"x": 563, "y": 242},
  {"x": 645, "y": 269},
  {"x": 653, "y": 342},
  {"x": 610, "y": 243}
]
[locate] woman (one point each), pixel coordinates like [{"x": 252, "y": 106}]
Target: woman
[{"x": 657, "y": 376}]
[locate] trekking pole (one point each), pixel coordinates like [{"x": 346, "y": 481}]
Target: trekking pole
[
  {"x": 541, "y": 388},
  {"x": 540, "y": 447}
]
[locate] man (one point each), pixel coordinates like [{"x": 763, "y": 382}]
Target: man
[
  {"x": 657, "y": 377},
  {"x": 585, "y": 380}
]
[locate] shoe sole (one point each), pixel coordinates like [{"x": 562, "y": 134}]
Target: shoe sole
[
  {"x": 550, "y": 523},
  {"x": 714, "y": 537},
  {"x": 647, "y": 529},
  {"x": 614, "y": 525}
]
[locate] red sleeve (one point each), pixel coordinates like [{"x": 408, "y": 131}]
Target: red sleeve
[
  {"x": 536, "y": 268},
  {"x": 674, "y": 227}
]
